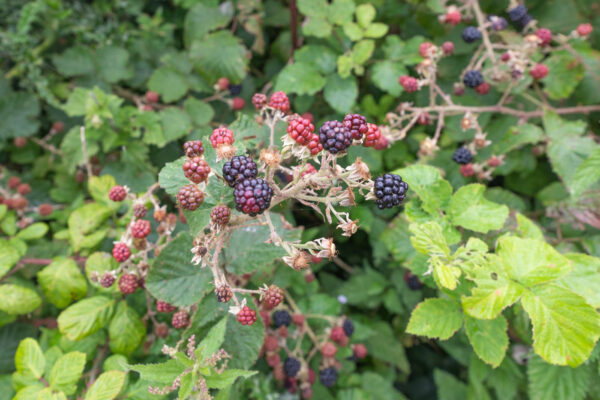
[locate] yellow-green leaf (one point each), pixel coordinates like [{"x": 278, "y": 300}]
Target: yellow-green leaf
[
  {"x": 85, "y": 317},
  {"x": 435, "y": 318},
  {"x": 62, "y": 282},
  {"x": 107, "y": 386},
  {"x": 66, "y": 372},
  {"x": 29, "y": 359}
]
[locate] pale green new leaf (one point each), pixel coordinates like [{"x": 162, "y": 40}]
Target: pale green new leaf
[
  {"x": 435, "y": 318},
  {"x": 50, "y": 394},
  {"x": 8, "y": 257},
  {"x": 365, "y": 14},
  {"x": 546, "y": 381},
  {"x": 526, "y": 228},
  {"x": 488, "y": 338},
  {"x": 107, "y": 386},
  {"x": 428, "y": 239},
  {"x": 62, "y": 282},
  {"x": 29, "y": 359},
  {"x": 85, "y": 317},
  {"x": 470, "y": 209},
  {"x": 66, "y": 372},
  {"x": 126, "y": 330},
  {"x": 15, "y": 299},
  {"x": 445, "y": 275},
  {"x": 565, "y": 327},
  {"x": 585, "y": 277},
  {"x": 29, "y": 392},
  {"x": 33, "y": 231},
  {"x": 85, "y": 220}
]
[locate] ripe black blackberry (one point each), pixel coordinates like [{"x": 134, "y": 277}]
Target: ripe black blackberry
[
  {"x": 240, "y": 167},
  {"x": 471, "y": 34},
  {"x": 235, "y": 89},
  {"x": 193, "y": 148},
  {"x": 335, "y": 136},
  {"x": 220, "y": 215},
  {"x": 196, "y": 169},
  {"x": 389, "y": 190},
  {"x": 462, "y": 155},
  {"x": 414, "y": 283},
  {"x": 348, "y": 327},
  {"x": 281, "y": 318},
  {"x": 291, "y": 367},
  {"x": 357, "y": 125},
  {"x": 473, "y": 78},
  {"x": 107, "y": 280},
  {"x": 328, "y": 376},
  {"x": 224, "y": 293},
  {"x": 252, "y": 196},
  {"x": 517, "y": 13},
  {"x": 190, "y": 197}
]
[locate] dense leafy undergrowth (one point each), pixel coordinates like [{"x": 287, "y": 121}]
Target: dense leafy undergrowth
[{"x": 299, "y": 199}]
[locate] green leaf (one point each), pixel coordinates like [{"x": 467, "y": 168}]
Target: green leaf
[
  {"x": 176, "y": 124},
  {"x": 85, "y": 317},
  {"x": 226, "y": 378},
  {"x": 74, "y": 61},
  {"x": 427, "y": 183},
  {"x": 340, "y": 12},
  {"x": 62, "y": 282},
  {"x": 107, "y": 386},
  {"x": 200, "y": 112},
  {"x": 321, "y": 57},
  {"x": 171, "y": 177},
  {"x": 317, "y": 27},
  {"x": 353, "y": 31},
  {"x": 174, "y": 279},
  {"x": 243, "y": 341},
  {"x": 100, "y": 263},
  {"x": 300, "y": 78},
  {"x": 220, "y": 54},
  {"x": 365, "y": 14},
  {"x": 33, "y": 231},
  {"x": 376, "y": 30},
  {"x": 362, "y": 51},
  {"x": 86, "y": 220},
  {"x": 341, "y": 93},
  {"x": 29, "y": 359},
  {"x": 585, "y": 277},
  {"x": 384, "y": 345},
  {"x": 449, "y": 387},
  {"x": 9, "y": 256},
  {"x": 16, "y": 299},
  {"x": 202, "y": 19},
  {"x": 168, "y": 83},
  {"x": 565, "y": 327},
  {"x": 385, "y": 76},
  {"x": 586, "y": 174},
  {"x": 112, "y": 63},
  {"x": 29, "y": 392},
  {"x": 547, "y": 381},
  {"x": 531, "y": 262},
  {"x": 313, "y": 8},
  {"x": 428, "y": 239},
  {"x": 164, "y": 373},
  {"x": 18, "y": 113},
  {"x": 526, "y": 228},
  {"x": 99, "y": 187},
  {"x": 126, "y": 330},
  {"x": 212, "y": 341},
  {"x": 565, "y": 73},
  {"x": 488, "y": 338},
  {"x": 518, "y": 136},
  {"x": 49, "y": 394},
  {"x": 435, "y": 318},
  {"x": 66, "y": 372},
  {"x": 470, "y": 209},
  {"x": 567, "y": 154},
  {"x": 557, "y": 128}
]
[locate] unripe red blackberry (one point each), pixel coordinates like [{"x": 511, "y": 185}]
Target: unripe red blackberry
[
  {"x": 24, "y": 189},
  {"x": 359, "y": 350},
  {"x": 20, "y": 142},
  {"x": 13, "y": 182},
  {"x": 140, "y": 228},
  {"x": 164, "y": 307},
  {"x": 494, "y": 161},
  {"x": 18, "y": 203},
  {"x": 224, "y": 293},
  {"x": 259, "y": 101},
  {"x": 483, "y": 89},
  {"x": 337, "y": 334},
  {"x": 237, "y": 103},
  {"x": 423, "y": 118},
  {"x": 280, "y": 101},
  {"x": 121, "y": 252},
  {"x": 301, "y": 130},
  {"x": 308, "y": 116},
  {"x": 270, "y": 343},
  {"x": 314, "y": 145},
  {"x": 426, "y": 49},
  {"x": 328, "y": 349},
  {"x": 273, "y": 296},
  {"x": 181, "y": 319},
  {"x": 298, "y": 320},
  {"x": 584, "y": 29},
  {"x": 505, "y": 57},
  {"x": 196, "y": 169},
  {"x": 540, "y": 71},
  {"x": 140, "y": 210},
  {"x": 220, "y": 215},
  {"x": 190, "y": 197},
  {"x": 308, "y": 169},
  {"x": 58, "y": 126},
  {"x": 246, "y": 316},
  {"x": 448, "y": 48},
  {"x": 273, "y": 360},
  {"x": 544, "y": 35},
  {"x": 357, "y": 124},
  {"x": 152, "y": 97},
  {"x": 372, "y": 136},
  {"x": 382, "y": 143},
  {"x": 45, "y": 209},
  {"x": 147, "y": 107},
  {"x": 223, "y": 83},
  {"x": 452, "y": 17},
  {"x": 159, "y": 215},
  {"x": 409, "y": 83},
  {"x": 107, "y": 280},
  {"x": 221, "y": 136},
  {"x": 467, "y": 170},
  {"x": 128, "y": 283},
  {"x": 193, "y": 148},
  {"x": 117, "y": 193}
]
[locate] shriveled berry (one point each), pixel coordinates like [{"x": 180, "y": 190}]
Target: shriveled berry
[
  {"x": 505, "y": 57},
  {"x": 161, "y": 330},
  {"x": 117, "y": 193},
  {"x": 224, "y": 293},
  {"x": 121, "y": 252},
  {"x": 518, "y": 12},
  {"x": 164, "y": 307},
  {"x": 328, "y": 349},
  {"x": 281, "y": 318},
  {"x": 273, "y": 296},
  {"x": 20, "y": 141},
  {"x": 426, "y": 49},
  {"x": 239, "y": 168},
  {"x": 252, "y": 196},
  {"x": 291, "y": 367},
  {"x": 181, "y": 319},
  {"x": 544, "y": 35},
  {"x": 259, "y": 100},
  {"x": 193, "y": 148},
  {"x": 221, "y": 136},
  {"x": 301, "y": 130},
  {"x": 270, "y": 343},
  {"x": 196, "y": 169},
  {"x": 220, "y": 215},
  {"x": 13, "y": 182},
  {"x": 128, "y": 283},
  {"x": 498, "y": 23},
  {"x": 107, "y": 280},
  {"x": 58, "y": 126},
  {"x": 141, "y": 228},
  {"x": 273, "y": 360},
  {"x": 190, "y": 197},
  {"x": 328, "y": 376},
  {"x": 424, "y": 118},
  {"x": 246, "y": 316},
  {"x": 389, "y": 190},
  {"x": 280, "y": 101},
  {"x": 540, "y": 71},
  {"x": 335, "y": 136},
  {"x": 409, "y": 83},
  {"x": 357, "y": 124},
  {"x": 298, "y": 319}
]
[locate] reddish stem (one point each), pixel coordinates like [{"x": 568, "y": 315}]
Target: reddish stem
[{"x": 293, "y": 24}]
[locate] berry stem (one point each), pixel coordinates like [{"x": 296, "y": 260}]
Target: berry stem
[{"x": 483, "y": 30}]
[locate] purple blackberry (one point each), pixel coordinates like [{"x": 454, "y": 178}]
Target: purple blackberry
[
  {"x": 389, "y": 190},
  {"x": 281, "y": 318},
  {"x": 328, "y": 376},
  {"x": 498, "y": 23},
  {"x": 335, "y": 136},
  {"x": 291, "y": 367},
  {"x": 348, "y": 327},
  {"x": 252, "y": 196},
  {"x": 462, "y": 155},
  {"x": 473, "y": 78},
  {"x": 240, "y": 167},
  {"x": 357, "y": 125},
  {"x": 518, "y": 12},
  {"x": 471, "y": 34}
]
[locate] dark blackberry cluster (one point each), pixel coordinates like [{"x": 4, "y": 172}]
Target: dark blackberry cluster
[
  {"x": 328, "y": 376},
  {"x": 390, "y": 191},
  {"x": 193, "y": 148},
  {"x": 473, "y": 78},
  {"x": 140, "y": 229},
  {"x": 348, "y": 327},
  {"x": 471, "y": 34},
  {"x": 291, "y": 367},
  {"x": 128, "y": 283},
  {"x": 357, "y": 124},
  {"x": 462, "y": 155},
  {"x": 520, "y": 16},
  {"x": 240, "y": 167},
  {"x": 335, "y": 136},
  {"x": 224, "y": 294},
  {"x": 196, "y": 169},
  {"x": 414, "y": 283},
  {"x": 190, "y": 197},
  {"x": 498, "y": 23},
  {"x": 220, "y": 215},
  {"x": 180, "y": 320},
  {"x": 281, "y": 318},
  {"x": 252, "y": 196}
]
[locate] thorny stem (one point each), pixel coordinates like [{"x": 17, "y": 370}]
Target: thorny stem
[{"x": 484, "y": 33}]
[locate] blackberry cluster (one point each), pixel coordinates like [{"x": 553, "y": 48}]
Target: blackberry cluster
[
  {"x": 121, "y": 252},
  {"x": 220, "y": 215},
  {"x": 128, "y": 283},
  {"x": 180, "y": 320},
  {"x": 224, "y": 294},
  {"x": 139, "y": 210},
  {"x": 335, "y": 136},
  {"x": 193, "y": 148},
  {"x": 473, "y": 78},
  {"x": 239, "y": 168},
  {"x": 117, "y": 193},
  {"x": 328, "y": 376},
  {"x": 190, "y": 197},
  {"x": 498, "y": 23},
  {"x": 357, "y": 124},
  {"x": 291, "y": 367},
  {"x": 140, "y": 229},
  {"x": 281, "y": 318},
  {"x": 196, "y": 169},
  {"x": 519, "y": 16},
  {"x": 389, "y": 190},
  {"x": 252, "y": 196},
  {"x": 107, "y": 280},
  {"x": 246, "y": 316},
  {"x": 273, "y": 296},
  {"x": 164, "y": 307},
  {"x": 462, "y": 155},
  {"x": 280, "y": 101},
  {"x": 471, "y": 34},
  {"x": 348, "y": 327}
]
